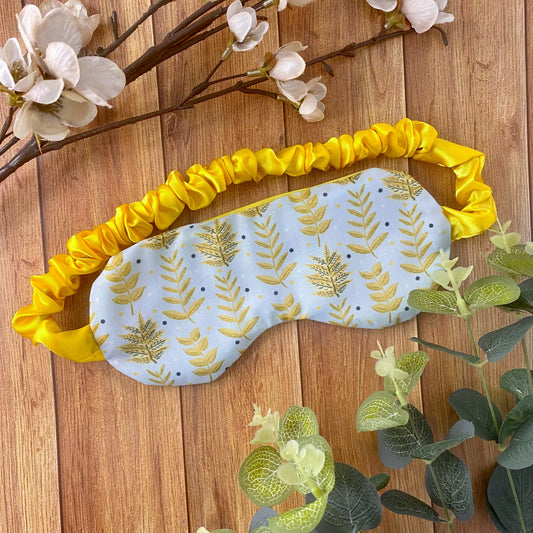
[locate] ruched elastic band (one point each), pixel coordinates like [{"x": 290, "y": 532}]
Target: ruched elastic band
[{"x": 88, "y": 251}]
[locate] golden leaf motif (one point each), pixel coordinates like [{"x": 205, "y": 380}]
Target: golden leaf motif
[
  {"x": 124, "y": 286},
  {"x": 237, "y": 313},
  {"x": 402, "y": 186},
  {"x": 268, "y": 241},
  {"x": 365, "y": 227},
  {"x": 341, "y": 315},
  {"x": 94, "y": 327},
  {"x": 418, "y": 244},
  {"x": 330, "y": 277},
  {"x": 145, "y": 342},
  {"x": 350, "y": 178},
  {"x": 163, "y": 240},
  {"x": 383, "y": 294},
  {"x": 204, "y": 361},
  {"x": 255, "y": 211},
  {"x": 313, "y": 222},
  {"x": 160, "y": 378},
  {"x": 289, "y": 310},
  {"x": 220, "y": 245},
  {"x": 180, "y": 287}
]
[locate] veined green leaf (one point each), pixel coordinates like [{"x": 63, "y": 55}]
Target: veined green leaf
[
  {"x": 258, "y": 478},
  {"x": 497, "y": 344},
  {"x": 431, "y": 301},
  {"x": 380, "y": 481},
  {"x": 467, "y": 358},
  {"x": 455, "y": 486},
  {"x": 413, "y": 363},
  {"x": 380, "y": 411},
  {"x": 491, "y": 291},
  {"x": 516, "y": 382},
  {"x": 301, "y": 519},
  {"x": 400, "y": 502},
  {"x": 259, "y": 522},
  {"x": 519, "y": 453},
  {"x": 516, "y": 417},
  {"x": 297, "y": 422},
  {"x": 473, "y": 406}
]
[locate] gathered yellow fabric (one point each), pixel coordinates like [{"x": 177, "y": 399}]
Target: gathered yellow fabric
[{"x": 88, "y": 251}]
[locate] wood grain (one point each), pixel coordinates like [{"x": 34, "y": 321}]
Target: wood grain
[{"x": 86, "y": 449}]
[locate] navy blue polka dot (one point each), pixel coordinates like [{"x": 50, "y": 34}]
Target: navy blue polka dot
[
  {"x": 192, "y": 226},
  {"x": 138, "y": 261},
  {"x": 417, "y": 278},
  {"x": 358, "y": 308},
  {"x": 387, "y": 224},
  {"x": 237, "y": 342},
  {"x": 291, "y": 250},
  {"x": 202, "y": 289},
  {"x": 380, "y": 190},
  {"x": 178, "y": 373},
  {"x": 276, "y": 293},
  {"x": 102, "y": 321},
  {"x": 193, "y": 256},
  {"x": 324, "y": 194},
  {"x": 349, "y": 256},
  {"x": 247, "y": 289},
  {"x": 243, "y": 237},
  {"x": 164, "y": 322},
  {"x": 431, "y": 225},
  {"x": 406, "y": 308}
]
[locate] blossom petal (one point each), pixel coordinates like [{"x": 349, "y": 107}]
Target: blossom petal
[
  {"x": 45, "y": 92},
  {"x": 233, "y": 9},
  {"x": 59, "y": 25},
  {"x": 13, "y": 52},
  {"x": 444, "y": 17},
  {"x": 6, "y": 79},
  {"x": 76, "y": 114},
  {"x": 294, "y": 90},
  {"x": 299, "y": 3},
  {"x": 441, "y": 4},
  {"x": 22, "y": 124},
  {"x": 257, "y": 33},
  {"x": 316, "y": 115},
  {"x": 61, "y": 61},
  {"x": 26, "y": 83},
  {"x": 240, "y": 24},
  {"x": 383, "y": 5},
  {"x": 28, "y": 20},
  {"x": 294, "y": 46},
  {"x": 101, "y": 76},
  {"x": 282, "y": 5},
  {"x": 422, "y": 14},
  {"x": 317, "y": 88},
  {"x": 289, "y": 65},
  {"x": 48, "y": 126},
  {"x": 77, "y": 8},
  {"x": 309, "y": 104}
]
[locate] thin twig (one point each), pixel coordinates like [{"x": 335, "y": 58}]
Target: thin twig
[
  {"x": 191, "y": 18},
  {"x": 9, "y": 145},
  {"x": 261, "y": 92},
  {"x": 114, "y": 25},
  {"x": 7, "y": 123}
]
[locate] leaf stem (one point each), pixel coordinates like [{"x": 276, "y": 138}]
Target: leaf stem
[
  {"x": 7, "y": 123},
  {"x": 515, "y": 496},
  {"x": 527, "y": 365}
]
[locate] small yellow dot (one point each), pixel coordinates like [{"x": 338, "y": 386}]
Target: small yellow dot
[
  {"x": 208, "y": 328},
  {"x": 308, "y": 244},
  {"x": 121, "y": 314},
  {"x": 151, "y": 272},
  {"x": 183, "y": 245},
  {"x": 405, "y": 204},
  {"x": 248, "y": 254},
  {"x": 260, "y": 297},
  {"x": 444, "y": 232},
  {"x": 391, "y": 243},
  {"x": 208, "y": 308},
  {"x": 338, "y": 205},
  {"x": 135, "y": 374},
  {"x": 219, "y": 270},
  {"x": 280, "y": 205},
  {"x": 339, "y": 244},
  {"x": 292, "y": 282},
  {"x": 318, "y": 308},
  {"x": 104, "y": 351},
  {"x": 369, "y": 179},
  {"x": 369, "y": 322},
  {"x": 391, "y": 263},
  {"x": 154, "y": 310}
]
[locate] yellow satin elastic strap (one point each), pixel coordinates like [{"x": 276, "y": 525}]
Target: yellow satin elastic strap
[{"x": 88, "y": 251}]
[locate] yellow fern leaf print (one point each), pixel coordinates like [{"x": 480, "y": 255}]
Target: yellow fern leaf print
[
  {"x": 220, "y": 245},
  {"x": 271, "y": 252},
  {"x": 312, "y": 216},
  {"x": 204, "y": 358},
  {"x": 161, "y": 241},
  {"x": 181, "y": 290},
  {"x": 100, "y": 339},
  {"x": 402, "y": 186},
  {"x": 124, "y": 284},
  {"x": 255, "y": 211},
  {"x": 289, "y": 309},
  {"x": 160, "y": 377},
  {"x": 145, "y": 342},
  {"x": 330, "y": 277},
  {"x": 418, "y": 244},
  {"x": 340, "y": 315},
  {"x": 233, "y": 307},
  {"x": 382, "y": 293},
  {"x": 364, "y": 222}
]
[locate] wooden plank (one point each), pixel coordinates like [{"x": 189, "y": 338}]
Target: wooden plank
[
  {"x": 365, "y": 90},
  {"x": 215, "y": 416},
  {"x": 119, "y": 442},
  {"x": 474, "y": 93}
]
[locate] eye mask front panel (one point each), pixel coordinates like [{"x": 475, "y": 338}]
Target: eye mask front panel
[{"x": 181, "y": 307}]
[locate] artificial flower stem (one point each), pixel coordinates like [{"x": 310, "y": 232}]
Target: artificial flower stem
[
  {"x": 7, "y": 123},
  {"x": 8, "y": 146},
  {"x": 527, "y": 365},
  {"x": 515, "y": 497}
]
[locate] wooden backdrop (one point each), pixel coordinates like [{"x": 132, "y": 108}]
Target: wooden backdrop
[{"x": 86, "y": 449}]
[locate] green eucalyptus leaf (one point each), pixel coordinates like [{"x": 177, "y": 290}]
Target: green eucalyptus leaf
[
  {"x": 516, "y": 417},
  {"x": 353, "y": 504},
  {"x": 497, "y": 259},
  {"x": 400, "y": 502},
  {"x": 491, "y": 291},
  {"x": 502, "y": 503},
  {"x": 515, "y": 381},
  {"x": 431, "y": 301},
  {"x": 460, "y": 432},
  {"x": 301, "y": 519},
  {"x": 260, "y": 520},
  {"x": 380, "y": 481},
  {"x": 258, "y": 478},
  {"x": 472, "y": 406},
  {"x": 326, "y": 477},
  {"x": 494, "y": 517},
  {"x": 454, "y": 485},
  {"x": 519, "y": 264},
  {"x": 413, "y": 363},
  {"x": 519, "y": 453},
  {"x": 467, "y": 358},
  {"x": 396, "y": 444},
  {"x": 379, "y": 411},
  {"x": 497, "y": 344},
  {"x": 297, "y": 422}
]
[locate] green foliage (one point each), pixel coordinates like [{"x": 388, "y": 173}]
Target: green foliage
[
  {"x": 400, "y": 502},
  {"x": 472, "y": 406},
  {"x": 497, "y": 344},
  {"x": 380, "y": 411},
  {"x": 516, "y": 417},
  {"x": 431, "y": 301},
  {"x": 296, "y": 423},
  {"x": 516, "y": 382},
  {"x": 448, "y": 485},
  {"x": 300, "y": 520},
  {"x": 503, "y": 502},
  {"x": 519, "y": 453},
  {"x": 413, "y": 363},
  {"x": 467, "y": 358},
  {"x": 380, "y": 481}
]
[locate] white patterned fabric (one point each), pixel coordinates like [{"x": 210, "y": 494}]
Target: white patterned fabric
[{"x": 181, "y": 307}]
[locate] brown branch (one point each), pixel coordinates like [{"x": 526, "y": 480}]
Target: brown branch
[{"x": 9, "y": 119}]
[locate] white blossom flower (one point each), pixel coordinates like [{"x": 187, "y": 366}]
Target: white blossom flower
[
  {"x": 292, "y": 3},
  {"x": 268, "y": 432},
  {"x": 16, "y": 73},
  {"x": 386, "y": 363},
  {"x": 242, "y": 22},
  {"x": 51, "y": 122},
  {"x": 288, "y": 63},
  {"x": 303, "y": 462},
  {"x": 422, "y": 14},
  {"x": 306, "y": 97}
]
